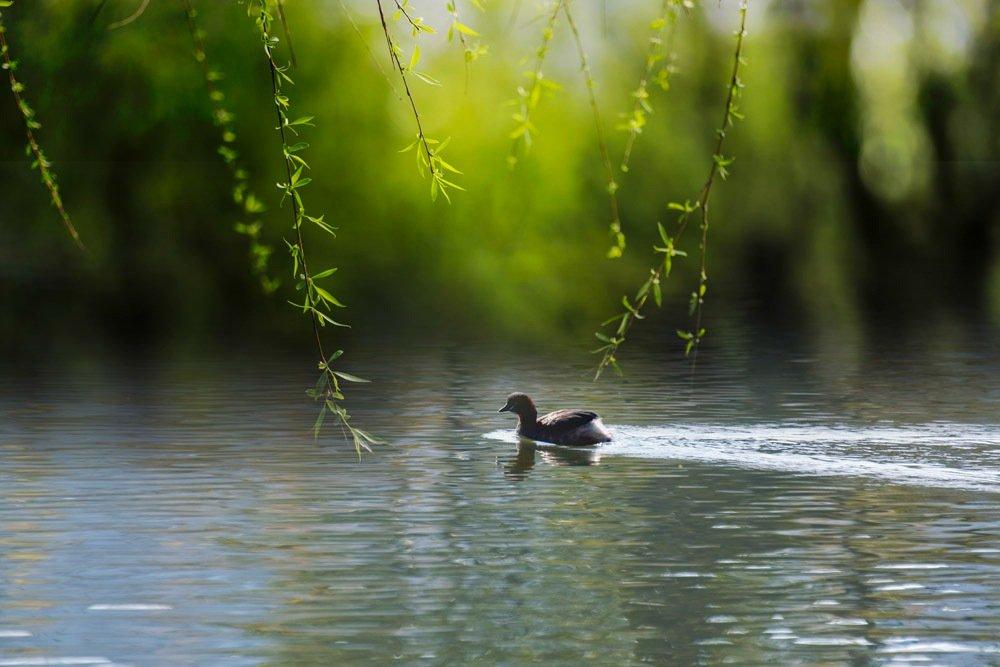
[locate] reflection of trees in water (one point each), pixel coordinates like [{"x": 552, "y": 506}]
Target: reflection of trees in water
[
  {"x": 450, "y": 560},
  {"x": 789, "y": 545},
  {"x": 726, "y": 555},
  {"x": 674, "y": 581},
  {"x": 733, "y": 564},
  {"x": 899, "y": 528}
]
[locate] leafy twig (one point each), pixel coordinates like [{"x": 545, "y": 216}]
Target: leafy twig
[
  {"x": 417, "y": 24},
  {"x": 527, "y": 99},
  {"x": 470, "y": 52},
  {"x": 633, "y": 308},
  {"x": 636, "y": 119},
  {"x": 33, "y": 149},
  {"x": 317, "y": 301},
  {"x": 720, "y": 167},
  {"x": 429, "y": 157}
]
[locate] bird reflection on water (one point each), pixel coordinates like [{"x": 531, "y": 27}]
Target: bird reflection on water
[{"x": 521, "y": 463}]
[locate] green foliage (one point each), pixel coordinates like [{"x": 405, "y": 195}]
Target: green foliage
[
  {"x": 633, "y": 310},
  {"x": 429, "y": 160},
  {"x": 659, "y": 67},
  {"x": 720, "y": 168},
  {"x": 514, "y": 258},
  {"x": 527, "y": 98},
  {"x": 655, "y": 71},
  {"x": 471, "y": 51},
  {"x": 317, "y": 302},
  {"x": 31, "y": 125},
  {"x": 251, "y": 206}
]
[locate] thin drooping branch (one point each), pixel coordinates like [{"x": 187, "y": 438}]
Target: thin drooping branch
[
  {"x": 394, "y": 56},
  {"x": 401, "y": 8},
  {"x": 655, "y": 53},
  {"x": 718, "y": 168},
  {"x": 33, "y": 149},
  {"x": 720, "y": 164},
  {"x": 528, "y": 99},
  {"x": 297, "y": 213},
  {"x": 452, "y": 7},
  {"x": 368, "y": 49},
  {"x": 428, "y": 157},
  {"x": 250, "y": 204},
  {"x": 316, "y": 299},
  {"x": 611, "y": 185},
  {"x": 470, "y": 52}
]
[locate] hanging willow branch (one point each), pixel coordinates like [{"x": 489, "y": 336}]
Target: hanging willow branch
[
  {"x": 428, "y": 150},
  {"x": 471, "y": 51},
  {"x": 317, "y": 302},
  {"x": 636, "y": 119},
  {"x": 719, "y": 168},
  {"x": 655, "y": 54},
  {"x": 33, "y": 150},
  {"x": 611, "y": 186},
  {"x": 368, "y": 49},
  {"x": 244, "y": 197},
  {"x": 527, "y": 99}
]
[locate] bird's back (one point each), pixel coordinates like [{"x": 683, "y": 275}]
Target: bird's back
[
  {"x": 567, "y": 418},
  {"x": 573, "y": 428}
]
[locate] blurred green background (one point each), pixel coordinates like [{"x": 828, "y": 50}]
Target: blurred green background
[{"x": 865, "y": 194}]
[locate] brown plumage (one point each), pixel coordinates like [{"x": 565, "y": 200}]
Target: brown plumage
[{"x": 574, "y": 428}]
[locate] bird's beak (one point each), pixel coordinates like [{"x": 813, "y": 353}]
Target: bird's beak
[{"x": 505, "y": 408}]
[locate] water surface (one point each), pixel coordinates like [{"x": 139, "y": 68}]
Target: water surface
[{"x": 816, "y": 507}]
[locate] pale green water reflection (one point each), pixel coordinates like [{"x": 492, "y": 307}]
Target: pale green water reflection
[{"x": 813, "y": 509}]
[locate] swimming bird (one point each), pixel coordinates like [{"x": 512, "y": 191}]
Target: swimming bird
[{"x": 574, "y": 428}]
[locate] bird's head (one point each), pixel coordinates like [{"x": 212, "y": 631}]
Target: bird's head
[{"x": 521, "y": 405}]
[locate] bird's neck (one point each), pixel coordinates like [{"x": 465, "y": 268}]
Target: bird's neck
[{"x": 527, "y": 421}]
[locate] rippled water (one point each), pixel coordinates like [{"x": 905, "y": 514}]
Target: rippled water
[{"x": 782, "y": 506}]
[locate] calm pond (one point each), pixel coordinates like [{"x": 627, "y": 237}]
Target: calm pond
[{"x": 821, "y": 506}]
